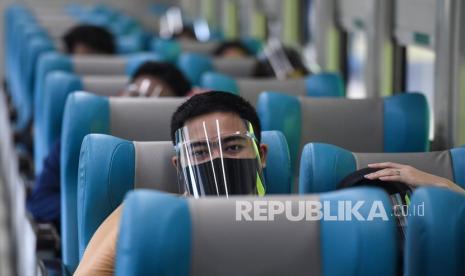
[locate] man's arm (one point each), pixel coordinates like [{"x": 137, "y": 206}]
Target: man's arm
[{"x": 99, "y": 257}]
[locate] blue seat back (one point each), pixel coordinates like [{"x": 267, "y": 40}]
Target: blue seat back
[
  {"x": 394, "y": 124},
  {"x": 164, "y": 234},
  {"x": 58, "y": 85},
  {"x": 95, "y": 65},
  {"x": 323, "y": 166},
  {"x": 118, "y": 166},
  {"x": 435, "y": 243},
  {"x": 317, "y": 85},
  {"x": 115, "y": 116}
]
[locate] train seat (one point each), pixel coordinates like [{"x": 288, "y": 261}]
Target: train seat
[
  {"x": 139, "y": 119},
  {"x": 119, "y": 166},
  {"x": 162, "y": 234},
  {"x": 393, "y": 124},
  {"x": 317, "y": 85},
  {"x": 323, "y": 166}
]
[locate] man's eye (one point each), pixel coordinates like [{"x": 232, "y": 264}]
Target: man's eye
[
  {"x": 234, "y": 148},
  {"x": 199, "y": 153}
]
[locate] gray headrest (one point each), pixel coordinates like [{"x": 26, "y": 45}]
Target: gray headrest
[
  {"x": 236, "y": 67},
  {"x": 250, "y": 89},
  {"x": 105, "y": 85},
  {"x": 287, "y": 247},
  {"x": 438, "y": 163},
  {"x": 99, "y": 65},
  {"x": 198, "y": 47},
  {"x": 142, "y": 119},
  {"x": 356, "y": 125},
  {"x": 57, "y": 28},
  {"x": 154, "y": 169}
]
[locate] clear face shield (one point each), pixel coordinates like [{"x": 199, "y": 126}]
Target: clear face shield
[
  {"x": 145, "y": 88},
  {"x": 219, "y": 157}
]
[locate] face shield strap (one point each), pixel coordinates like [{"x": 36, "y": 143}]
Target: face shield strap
[{"x": 213, "y": 160}]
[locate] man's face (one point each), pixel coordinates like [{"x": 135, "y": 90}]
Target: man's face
[
  {"x": 233, "y": 52},
  {"x": 81, "y": 49},
  {"x": 226, "y": 135},
  {"x": 148, "y": 86}
]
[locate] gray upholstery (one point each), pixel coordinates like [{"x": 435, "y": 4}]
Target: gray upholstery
[
  {"x": 236, "y": 67},
  {"x": 99, "y": 65},
  {"x": 198, "y": 47},
  {"x": 437, "y": 163},
  {"x": 356, "y": 125},
  {"x": 154, "y": 169},
  {"x": 251, "y": 88},
  {"x": 104, "y": 85},
  {"x": 287, "y": 247},
  {"x": 153, "y": 117}
]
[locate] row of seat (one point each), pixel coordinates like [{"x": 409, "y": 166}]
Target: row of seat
[
  {"x": 109, "y": 167},
  {"x": 322, "y": 166},
  {"x": 164, "y": 234},
  {"x": 39, "y": 35},
  {"x": 58, "y": 85}
]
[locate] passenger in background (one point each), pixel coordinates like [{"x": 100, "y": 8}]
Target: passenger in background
[
  {"x": 157, "y": 79},
  {"x": 79, "y": 40},
  {"x": 187, "y": 33},
  {"x": 285, "y": 64},
  {"x": 151, "y": 79},
  {"x": 89, "y": 40},
  {"x": 232, "y": 49}
]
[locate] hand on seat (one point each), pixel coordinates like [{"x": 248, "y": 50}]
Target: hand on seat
[{"x": 390, "y": 171}]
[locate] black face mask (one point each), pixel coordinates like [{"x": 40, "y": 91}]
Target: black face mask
[{"x": 240, "y": 175}]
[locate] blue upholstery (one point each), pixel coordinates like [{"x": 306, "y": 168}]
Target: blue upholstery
[
  {"x": 458, "y": 162},
  {"x": 219, "y": 82},
  {"x": 156, "y": 236},
  {"x": 285, "y": 117},
  {"x": 323, "y": 166},
  {"x": 171, "y": 49},
  {"x": 97, "y": 112},
  {"x": 106, "y": 173},
  {"x": 96, "y": 119},
  {"x": 374, "y": 256},
  {"x": 109, "y": 172},
  {"x": 194, "y": 65},
  {"x": 435, "y": 241},
  {"x": 170, "y": 233},
  {"x": 317, "y": 85},
  {"x": 58, "y": 62},
  {"x": 48, "y": 119},
  {"x": 405, "y": 121},
  {"x": 325, "y": 84}
]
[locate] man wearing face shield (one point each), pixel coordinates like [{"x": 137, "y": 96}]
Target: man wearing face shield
[{"x": 218, "y": 153}]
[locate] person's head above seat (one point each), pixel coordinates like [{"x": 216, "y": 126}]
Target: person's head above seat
[
  {"x": 186, "y": 33},
  {"x": 232, "y": 48},
  {"x": 218, "y": 151},
  {"x": 269, "y": 65},
  {"x": 89, "y": 40},
  {"x": 157, "y": 79}
]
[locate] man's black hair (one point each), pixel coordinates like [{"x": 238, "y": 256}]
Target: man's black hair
[
  {"x": 167, "y": 73},
  {"x": 264, "y": 68},
  {"x": 94, "y": 37},
  {"x": 186, "y": 32},
  {"x": 236, "y": 44},
  {"x": 215, "y": 101}
]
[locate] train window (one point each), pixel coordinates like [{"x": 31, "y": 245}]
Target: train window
[
  {"x": 420, "y": 76},
  {"x": 357, "y": 54}
]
